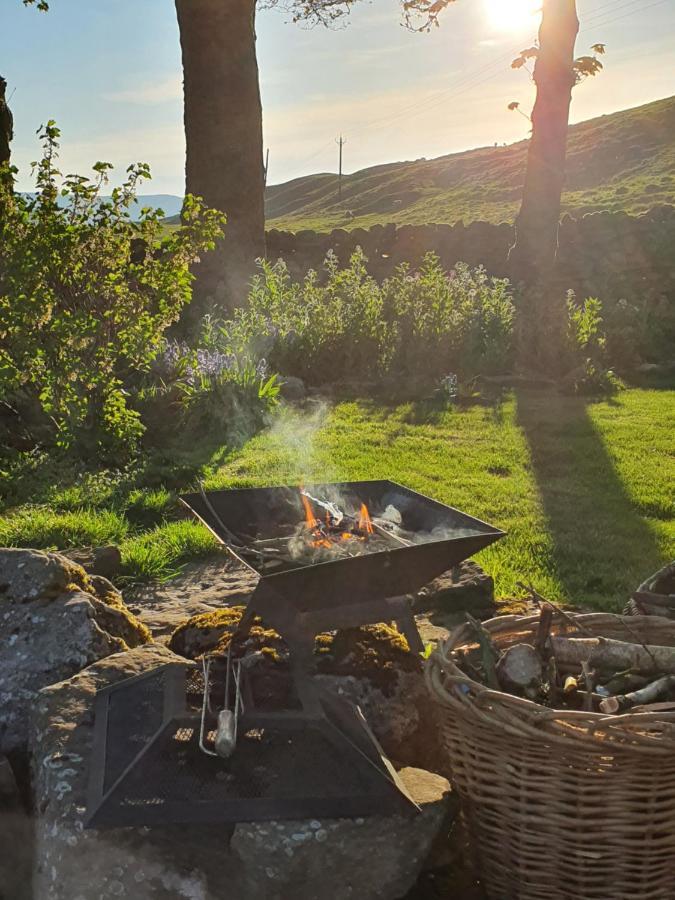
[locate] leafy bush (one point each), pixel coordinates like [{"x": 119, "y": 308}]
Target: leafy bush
[
  {"x": 587, "y": 348},
  {"x": 418, "y": 325},
  {"x": 462, "y": 322},
  {"x": 86, "y": 295}
]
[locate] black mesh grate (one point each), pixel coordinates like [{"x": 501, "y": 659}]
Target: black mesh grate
[
  {"x": 272, "y": 765},
  {"x": 134, "y": 714},
  {"x": 299, "y": 769}
]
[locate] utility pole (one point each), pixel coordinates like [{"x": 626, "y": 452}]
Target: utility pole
[{"x": 340, "y": 142}]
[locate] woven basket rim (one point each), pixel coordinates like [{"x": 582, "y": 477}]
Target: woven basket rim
[{"x": 651, "y": 733}]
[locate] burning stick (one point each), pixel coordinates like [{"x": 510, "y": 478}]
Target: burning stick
[
  {"x": 334, "y": 514},
  {"x": 365, "y": 525}
]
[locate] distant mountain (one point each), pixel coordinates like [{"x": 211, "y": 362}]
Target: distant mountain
[
  {"x": 624, "y": 161},
  {"x": 169, "y": 203}
]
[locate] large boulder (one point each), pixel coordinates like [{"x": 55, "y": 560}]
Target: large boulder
[
  {"x": 54, "y": 621},
  {"x": 377, "y": 857},
  {"x": 345, "y": 859},
  {"x": 104, "y": 561}
]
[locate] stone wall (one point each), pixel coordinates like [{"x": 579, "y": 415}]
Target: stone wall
[{"x": 610, "y": 255}]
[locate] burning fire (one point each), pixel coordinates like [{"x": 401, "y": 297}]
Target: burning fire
[{"x": 329, "y": 533}]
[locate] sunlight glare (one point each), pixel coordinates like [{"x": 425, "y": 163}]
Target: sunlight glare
[{"x": 513, "y": 15}]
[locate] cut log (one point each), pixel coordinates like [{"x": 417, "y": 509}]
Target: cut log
[
  {"x": 647, "y": 694},
  {"x": 613, "y": 656},
  {"x": 519, "y": 668}
]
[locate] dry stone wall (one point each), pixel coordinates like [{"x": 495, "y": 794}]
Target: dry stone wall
[{"x": 610, "y": 255}]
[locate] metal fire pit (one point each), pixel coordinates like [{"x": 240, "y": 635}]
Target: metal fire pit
[
  {"x": 300, "y": 601},
  {"x": 310, "y": 754}
]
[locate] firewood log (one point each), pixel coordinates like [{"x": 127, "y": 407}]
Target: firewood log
[
  {"x": 625, "y": 682},
  {"x": 645, "y": 695},
  {"x": 613, "y": 656},
  {"x": 519, "y": 668}
]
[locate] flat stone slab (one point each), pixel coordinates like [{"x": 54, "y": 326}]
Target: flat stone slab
[
  {"x": 347, "y": 859},
  {"x": 221, "y": 582},
  {"x": 201, "y": 587}
]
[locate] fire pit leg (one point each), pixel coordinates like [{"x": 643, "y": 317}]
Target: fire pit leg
[
  {"x": 303, "y": 667},
  {"x": 408, "y": 628}
]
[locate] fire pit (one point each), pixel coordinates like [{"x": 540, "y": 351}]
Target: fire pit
[
  {"x": 185, "y": 744},
  {"x": 339, "y": 555}
]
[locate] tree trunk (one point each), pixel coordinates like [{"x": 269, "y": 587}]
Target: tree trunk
[
  {"x": 536, "y": 244},
  {"x": 223, "y": 132}
]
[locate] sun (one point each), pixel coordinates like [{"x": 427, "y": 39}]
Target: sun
[{"x": 513, "y": 15}]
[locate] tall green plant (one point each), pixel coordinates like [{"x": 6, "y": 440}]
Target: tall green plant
[
  {"x": 86, "y": 294},
  {"x": 587, "y": 348},
  {"x": 417, "y": 325}
]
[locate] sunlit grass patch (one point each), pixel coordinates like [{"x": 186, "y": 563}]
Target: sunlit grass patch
[
  {"x": 160, "y": 553},
  {"x": 150, "y": 507},
  {"x": 44, "y": 528}
]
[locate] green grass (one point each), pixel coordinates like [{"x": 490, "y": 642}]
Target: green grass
[
  {"x": 624, "y": 161},
  {"x": 50, "y": 503},
  {"x": 584, "y": 490}
]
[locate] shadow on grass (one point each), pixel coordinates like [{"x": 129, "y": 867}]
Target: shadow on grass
[
  {"x": 602, "y": 547},
  {"x": 65, "y": 482}
]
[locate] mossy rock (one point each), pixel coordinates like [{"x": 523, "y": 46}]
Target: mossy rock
[
  {"x": 36, "y": 576},
  {"x": 376, "y": 652}
]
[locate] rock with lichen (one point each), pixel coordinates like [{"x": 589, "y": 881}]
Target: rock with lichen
[
  {"x": 54, "y": 621},
  {"x": 378, "y": 653},
  {"x": 345, "y": 859}
]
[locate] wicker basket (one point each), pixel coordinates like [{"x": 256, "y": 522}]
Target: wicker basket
[{"x": 559, "y": 803}]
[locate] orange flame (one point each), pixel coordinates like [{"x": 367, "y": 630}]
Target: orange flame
[
  {"x": 365, "y": 524},
  {"x": 310, "y": 519}
]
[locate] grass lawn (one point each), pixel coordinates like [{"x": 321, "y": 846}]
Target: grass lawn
[{"x": 584, "y": 489}]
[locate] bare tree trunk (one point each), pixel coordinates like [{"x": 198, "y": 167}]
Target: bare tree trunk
[
  {"x": 223, "y": 131},
  {"x": 537, "y": 223}
]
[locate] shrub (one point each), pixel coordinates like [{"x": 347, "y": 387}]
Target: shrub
[
  {"x": 587, "y": 348},
  {"x": 418, "y": 325},
  {"x": 86, "y": 295},
  {"x": 462, "y": 322}
]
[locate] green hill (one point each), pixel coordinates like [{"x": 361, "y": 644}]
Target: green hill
[{"x": 624, "y": 161}]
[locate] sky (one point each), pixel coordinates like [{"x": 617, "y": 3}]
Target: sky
[{"x": 109, "y": 73}]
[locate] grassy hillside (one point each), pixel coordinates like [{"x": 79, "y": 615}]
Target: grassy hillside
[{"x": 624, "y": 161}]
